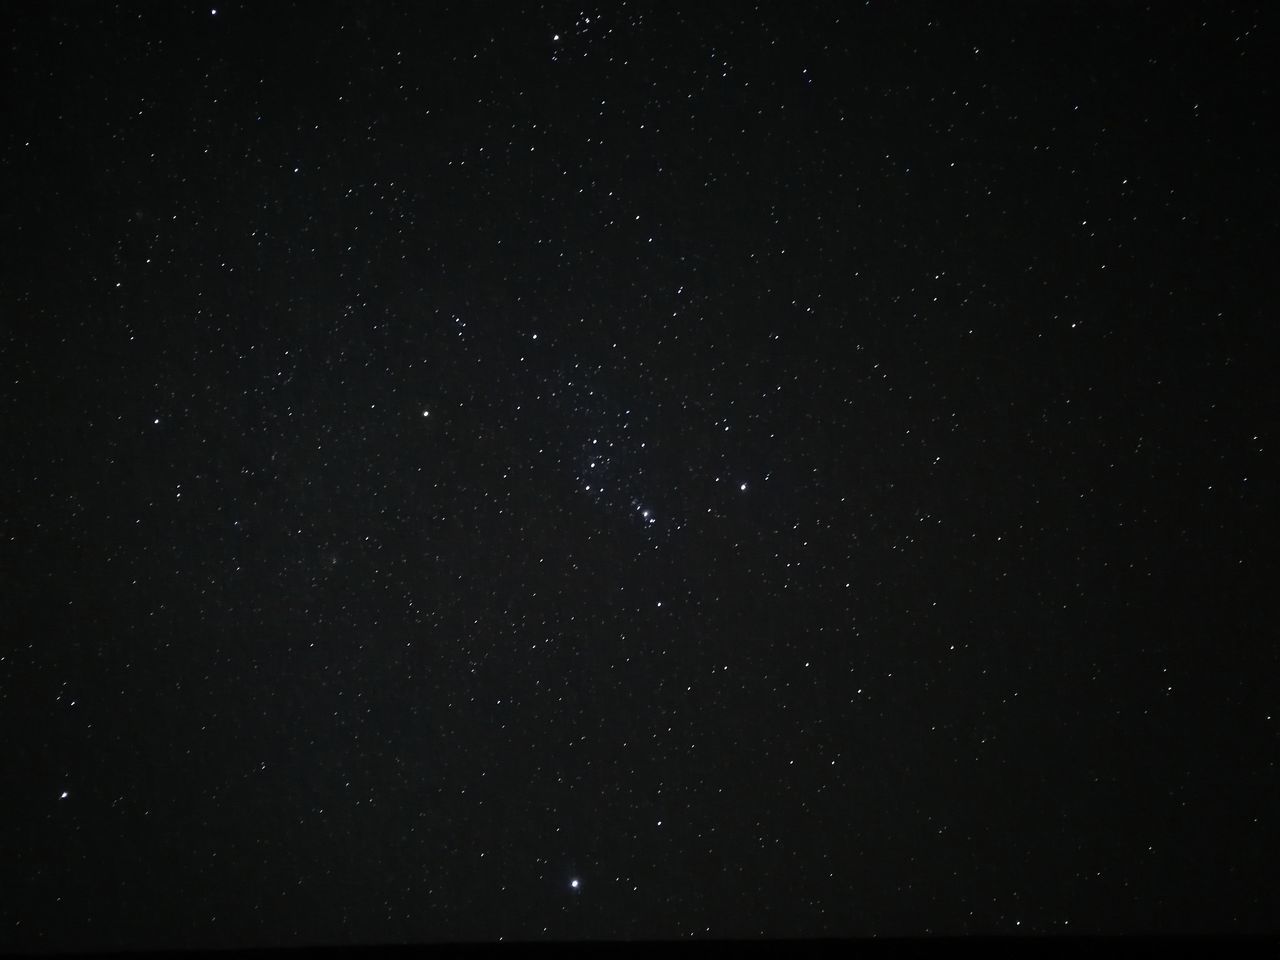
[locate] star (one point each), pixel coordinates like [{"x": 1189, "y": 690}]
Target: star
[{"x": 574, "y": 883}]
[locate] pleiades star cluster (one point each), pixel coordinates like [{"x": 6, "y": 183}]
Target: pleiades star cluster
[{"x": 496, "y": 471}]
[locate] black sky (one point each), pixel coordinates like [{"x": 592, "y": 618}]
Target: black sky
[{"x": 794, "y": 470}]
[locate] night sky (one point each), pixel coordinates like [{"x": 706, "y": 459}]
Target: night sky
[{"x": 623, "y": 471}]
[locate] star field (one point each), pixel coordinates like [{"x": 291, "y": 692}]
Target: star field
[{"x": 524, "y": 472}]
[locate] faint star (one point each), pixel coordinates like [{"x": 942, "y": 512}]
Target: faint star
[
  {"x": 64, "y": 795},
  {"x": 742, "y": 487}
]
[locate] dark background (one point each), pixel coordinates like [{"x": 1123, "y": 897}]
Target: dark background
[{"x": 845, "y": 506}]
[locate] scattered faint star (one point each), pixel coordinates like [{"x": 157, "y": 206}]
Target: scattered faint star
[{"x": 448, "y": 623}]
